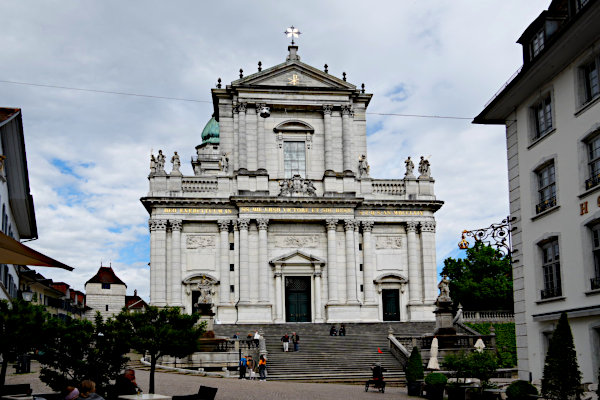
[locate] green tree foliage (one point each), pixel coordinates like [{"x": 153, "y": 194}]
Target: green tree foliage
[
  {"x": 161, "y": 332},
  {"x": 77, "y": 349},
  {"x": 562, "y": 378},
  {"x": 473, "y": 365},
  {"x": 482, "y": 281},
  {"x": 506, "y": 341},
  {"x": 20, "y": 325},
  {"x": 521, "y": 390},
  {"x": 414, "y": 366}
]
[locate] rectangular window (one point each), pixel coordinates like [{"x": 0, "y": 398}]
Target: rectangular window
[
  {"x": 546, "y": 188},
  {"x": 106, "y": 286},
  {"x": 542, "y": 117},
  {"x": 361, "y": 267},
  {"x": 595, "y": 280},
  {"x": 231, "y": 246},
  {"x": 593, "y": 162},
  {"x": 231, "y": 267},
  {"x": 591, "y": 86},
  {"x": 294, "y": 159},
  {"x": 537, "y": 43},
  {"x": 361, "y": 288},
  {"x": 551, "y": 270},
  {"x": 106, "y": 308},
  {"x": 232, "y": 288},
  {"x": 360, "y": 247}
]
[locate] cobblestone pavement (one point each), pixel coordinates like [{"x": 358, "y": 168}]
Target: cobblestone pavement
[{"x": 232, "y": 388}]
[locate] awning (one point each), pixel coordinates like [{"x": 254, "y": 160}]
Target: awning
[{"x": 13, "y": 252}]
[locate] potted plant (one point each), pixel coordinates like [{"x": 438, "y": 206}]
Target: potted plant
[
  {"x": 482, "y": 366},
  {"x": 414, "y": 372},
  {"x": 456, "y": 363},
  {"x": 435, "y": 384},
  {"x": 521, "y": 390}
]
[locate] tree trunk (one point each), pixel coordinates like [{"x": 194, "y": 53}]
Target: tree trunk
[
  {"x": 3, "y": 372},
  {"x": 152, "y": 370}
]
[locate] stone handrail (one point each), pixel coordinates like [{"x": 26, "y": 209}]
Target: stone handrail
[
  {"x": 398, "y": 349},
  {"x": 388, "y": 187},
  {"x": 488, "y": 316},
  {"x": 199, "y": 185}
]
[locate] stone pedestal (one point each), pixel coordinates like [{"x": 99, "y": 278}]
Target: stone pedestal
[{"x": 443, "y": 317}]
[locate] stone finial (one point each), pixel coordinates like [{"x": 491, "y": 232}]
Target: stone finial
[
  {"x": 259, "y": 66},
  {"x": 219, "y": 83},
  {"x": 241, "y": 73},
  {"x": 362, "y": 90},
  {"x": 390, "y": 330},
  {"x": 326, "y": 68},
  {"x": 344, "y": 76}
]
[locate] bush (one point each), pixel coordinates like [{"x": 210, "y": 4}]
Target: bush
[
  {"x": 506, "y": 341},
  {"x": 414, "y": 366},
  {"x": 473, "y": 365},
  {"x": 436, "y": 379},
  {"x": 520, "y": 390}
]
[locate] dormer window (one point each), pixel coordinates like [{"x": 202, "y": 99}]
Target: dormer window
[{"x": 537, "y": 43}]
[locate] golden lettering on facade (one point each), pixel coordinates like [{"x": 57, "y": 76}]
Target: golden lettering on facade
[{"x": 198, "y": 211}]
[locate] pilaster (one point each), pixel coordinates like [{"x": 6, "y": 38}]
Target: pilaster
[
  {"x": 414, "y": 284},
  {"x": 224, "y": 261},
  {"x": 429, "y": 273},
  {"x": 158, "y": 263},
  {"x": 244, "y": 261},
  {"x": 328, "y": 151},
  {"x": 347, "y": 138},
  {"x": 368, "y": 262},
  {"x": 263, "y": 265},
  {"x": 175, "y": 266},
  {"x": 332, "y": 273},
  {"x": 351, "y": 294},
  {"x": 242, "y": 136}
]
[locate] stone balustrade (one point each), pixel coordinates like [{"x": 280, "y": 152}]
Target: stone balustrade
[
  {"x": 389, "y": 187},
  {"x": 488, "y": 316},
  {"x": 199, "y": 185}
]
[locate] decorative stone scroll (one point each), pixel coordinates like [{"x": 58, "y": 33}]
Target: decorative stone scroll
[
  {"x": 388, "y": 242},
  {"x": 297, "y": 241},
  {"x": 297, "y": 186},
  {"x": 200, "y": 241}
]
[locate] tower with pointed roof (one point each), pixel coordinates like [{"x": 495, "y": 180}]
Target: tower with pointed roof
[
  {"x": 282, "y": 221},
  {"x": 104, "y": 292}
]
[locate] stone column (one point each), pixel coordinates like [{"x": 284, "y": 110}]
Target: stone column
[
  {"x": 158, "y": 262},
  {"x": 368, "y": 262},
  {"x": 351, "y": 297},
  {"x": 244, "y": 264},
  {"x": 243, "y": 146},
  {"x": 175, "y": 263},
  {"x": 278, "y": 294},
  {"x": 317, "y": 275},
  {"x": 429, "y": 277},
  {"x": 236, "y": 259},
  {"x": 347, "y": 138},
  {"x": 224, "y": 262},
  {"x": 328, "y": 137},
  {"x": 236, "y": 144},
  {"x": 261, "y": 151},
  {"x": 332, "y": 277},
  {"x": 263, "y": 265},
  {"x": 414, "y": 283}
]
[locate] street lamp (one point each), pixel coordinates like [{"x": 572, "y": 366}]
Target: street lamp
[{"x": 27, "y": 295}]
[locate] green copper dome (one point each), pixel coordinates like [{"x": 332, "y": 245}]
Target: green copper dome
[{"x": 210, "y": 134}]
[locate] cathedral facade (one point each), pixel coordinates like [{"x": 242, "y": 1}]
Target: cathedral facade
[{"x": 281, "y": 221}]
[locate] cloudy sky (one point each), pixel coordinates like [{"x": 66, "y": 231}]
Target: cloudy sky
[{"x": 88, "y": 151}]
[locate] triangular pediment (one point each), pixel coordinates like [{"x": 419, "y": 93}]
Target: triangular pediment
[
  {"x": 297, "y": 257},
  {"x": 294, "y": 74}
]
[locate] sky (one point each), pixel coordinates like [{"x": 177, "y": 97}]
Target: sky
[{"x": 88, "y": 152}]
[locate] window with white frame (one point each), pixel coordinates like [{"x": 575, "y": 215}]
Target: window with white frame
[
  {"x": 590, "y": 85},
  {"x": 546, "y": 188},
  {"x": 537, "y": 43},
  {"x": 551, "y": 269},
  {"x": 542, "y": 117},
  {"x": 593, "y": 150},
  {"x": 294, "y": 159},
  {"x": 595, "y": 280}
]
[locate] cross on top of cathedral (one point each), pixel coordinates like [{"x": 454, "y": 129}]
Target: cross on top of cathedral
[{"x": 292, "y": 32}]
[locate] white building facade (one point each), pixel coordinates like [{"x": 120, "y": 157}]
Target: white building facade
[
  {"x": 551, "y": 110},
  {"x": 282, "y": 221}
]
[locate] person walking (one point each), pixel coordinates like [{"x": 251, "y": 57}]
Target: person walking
[
  {"x": 243, "y": 363},
  {"x": 296, "y": 341},
  {"x": 285, "y": 340},
  {"x": 262, "y": 368}
]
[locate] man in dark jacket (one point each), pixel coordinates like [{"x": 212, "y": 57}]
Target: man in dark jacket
[
  {"x": 126, "y": 384},
  {"x": 296, "y": 340}
]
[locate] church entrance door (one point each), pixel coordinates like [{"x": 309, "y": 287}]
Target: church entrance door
[
  {"x": 391, "y": 304},
  {"x": 297, "y": 299}
]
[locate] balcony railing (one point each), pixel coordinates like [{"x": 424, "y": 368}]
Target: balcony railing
[
  {"x": 595, "y": 283},
  {"x": 545, "y": 205},
  {"x": 551, "y": 292},
  {"x": 593, "y": 181}
]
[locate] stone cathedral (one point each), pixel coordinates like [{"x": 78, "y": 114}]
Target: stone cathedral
[{"x": 281, "y": 221}]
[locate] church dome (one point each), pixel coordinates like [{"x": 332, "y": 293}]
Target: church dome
[{"x": 210, "y": 133}]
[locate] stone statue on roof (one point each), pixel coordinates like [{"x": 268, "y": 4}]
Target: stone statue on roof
[
  {"x": 363, "y": 167},
  {"x": 424, "y": 168},
  {"x": 410, "y": 166},
  {"x": 160, "y": 162},
  {"x": 176, "y": 162}
]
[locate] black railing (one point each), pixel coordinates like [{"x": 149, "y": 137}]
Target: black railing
[
  {"x": 551, "y": 292},
  {"x": 595, "y": 283},
  {"x": 593, "y": 181},
  {"x": 545, "y": 205}
]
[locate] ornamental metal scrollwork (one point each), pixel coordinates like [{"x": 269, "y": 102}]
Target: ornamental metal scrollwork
[{"x": 496, "y": 235}]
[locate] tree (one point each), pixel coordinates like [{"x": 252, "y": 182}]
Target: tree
[
  {"x": 482, "y": 281},
  {"x": 77, "y": 349},
  {"x": 161, "y": 332},
  {"x": 561, "y": 379},
  {"x": 20, "y": 325}
]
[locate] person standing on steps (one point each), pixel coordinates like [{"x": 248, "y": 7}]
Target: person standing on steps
[
  {"x": 342, "y": 331},
  {"x": 285, "y": 340},
  {"x": 243, "y": 363},
  {"x": 250, "y": 366},
  {"x": 262, "y": 368},
  {"x": 256, "y": 338},
  {"x": 296, "y": 341}
]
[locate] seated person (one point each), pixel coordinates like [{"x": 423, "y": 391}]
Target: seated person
[
  {"x": 332, "y": 331},
  {"x": 378, "y": 371},
  {"x": 126, "y": 384},
  {"x": 342, "y": 331}
]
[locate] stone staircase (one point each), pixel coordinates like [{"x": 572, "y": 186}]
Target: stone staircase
[{"x": 324, "y": 358}]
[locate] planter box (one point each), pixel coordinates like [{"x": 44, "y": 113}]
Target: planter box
[{"x": 415, "y": 388}]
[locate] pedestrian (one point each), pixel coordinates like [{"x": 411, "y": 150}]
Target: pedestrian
[
  {"x": 243, "y": 363},
  {"x": 256, "y": 338},
  {"x": 125, "y": 384},
  {"x": 88, "y": 391},
  {"x": 342, "y": 331},
  {"x": 296, "y": 341},
  {"x": 250, "y": 366},
  {"x": 236, "y": 335},
  {"x": 332, "y": 331},
  {"x": 285, "y": 340},
  {"x": 262, "y": 368}
]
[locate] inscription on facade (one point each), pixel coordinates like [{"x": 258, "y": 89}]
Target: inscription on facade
[
  {"x": 296, "y": 241},
  {"x": 389, "y": 212},
  {"x": 297, "y": 210},
  {"x": 200, "y": 241},
  {"x": 198, "y": 211},
  {"x": 388, "y": 242}
]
